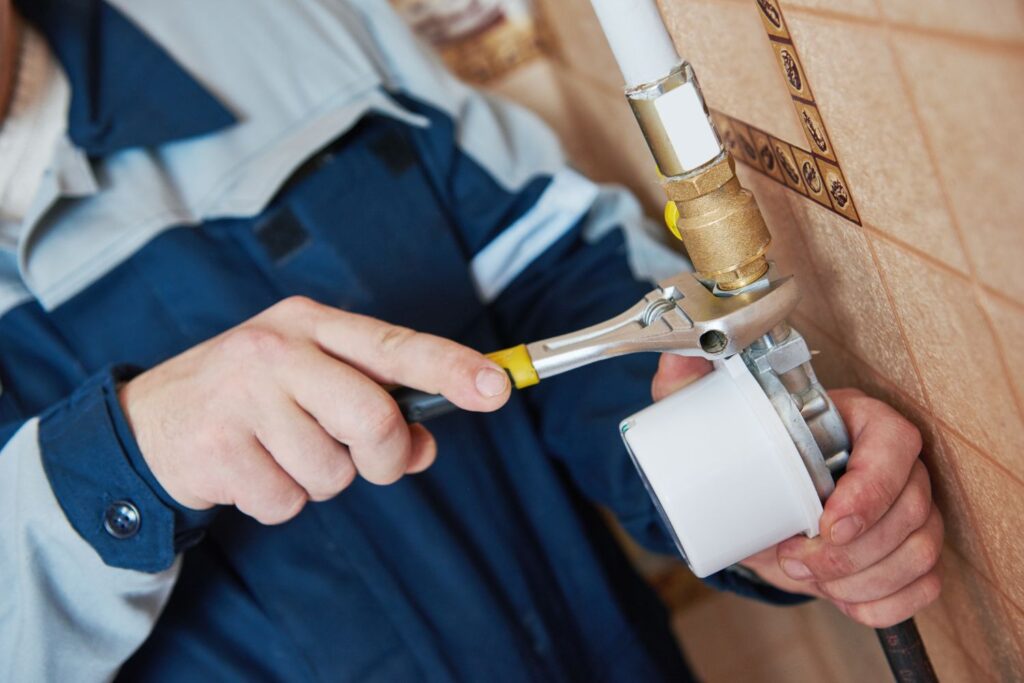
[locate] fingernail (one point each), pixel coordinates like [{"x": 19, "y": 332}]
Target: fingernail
[
  {"x": 846, "y": 529},
  {"x": 491, "y": 382},
  {"x": 796, "y": 569}
]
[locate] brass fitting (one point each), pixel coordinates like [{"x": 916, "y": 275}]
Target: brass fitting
[{"x": 720, "y": 225}]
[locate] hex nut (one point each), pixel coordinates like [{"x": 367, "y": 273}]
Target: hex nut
[{"x": 683, "y": 189}]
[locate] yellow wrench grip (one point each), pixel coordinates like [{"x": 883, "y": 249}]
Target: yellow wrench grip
[{"x": 518, "y": 364}]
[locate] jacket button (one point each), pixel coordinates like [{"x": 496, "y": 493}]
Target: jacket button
[{"x": 122, "y": 519}]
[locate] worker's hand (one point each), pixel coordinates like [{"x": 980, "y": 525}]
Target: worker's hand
[
  {"x": 288, "y": 407},
  {"x": 877, "y": 556}
]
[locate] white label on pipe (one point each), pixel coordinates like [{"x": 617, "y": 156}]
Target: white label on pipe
[{"x": 687, "y": 125}]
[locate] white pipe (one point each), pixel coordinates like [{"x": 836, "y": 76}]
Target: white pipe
[
  {"x": 639, "y": 39},
  {"x": 661, "y": 89}
]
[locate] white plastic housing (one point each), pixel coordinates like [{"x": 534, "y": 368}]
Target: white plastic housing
[
  {"x": 638, "y": 38},
  {"x": 722, "y": 469}
]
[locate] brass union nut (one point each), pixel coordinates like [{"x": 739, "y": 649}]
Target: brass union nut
[{"x": 709, "y": 180}]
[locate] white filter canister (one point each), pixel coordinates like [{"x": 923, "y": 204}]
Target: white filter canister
[{"x": 722, "y": 469}]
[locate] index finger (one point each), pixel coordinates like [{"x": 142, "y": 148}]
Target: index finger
[
  {"x": 885, "y": 447},
  {"x": 391, "y": 354}
]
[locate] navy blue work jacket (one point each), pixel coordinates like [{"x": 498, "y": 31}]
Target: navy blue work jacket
[{"x": 495, "y": 564}]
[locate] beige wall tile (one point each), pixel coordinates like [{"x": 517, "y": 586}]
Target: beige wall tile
[
  {"x": 836, "y": 368},
  {"x": 979, "y": 616},
  {"x": 991, "y": 18},
  {"x": 860, "y": 8},
  {"x": 951, "y": 342},
  {"x": 727, "y": 45},
  {"x": 949, "y": 495},
  {"x": 709, "y": 630},
  {"x": 833, "y": 365},
  {"x": 1008, "y": 321},
  {"x": 795, "y": 663},
  {"x": 829, "y": 633},
  {"x": 1016, "y": 626},
  {"x": 787, "y": 249},
  {"x": 579, "y": 42},
  {"x": 952, "y": 664},
  {"x": 869, "y": 119},
  {"x": 849, "y": 281},
  {"x": 995, "y": 498},
  {"x": 971, "y": 100}
]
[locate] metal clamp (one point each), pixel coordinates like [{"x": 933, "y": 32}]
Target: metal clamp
[{"x": 781, "y": 363}]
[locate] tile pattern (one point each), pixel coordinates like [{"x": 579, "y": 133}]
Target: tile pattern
[
  {"x": 814, "y": 172},
  {"x": 802, "y": 170},
  {"x": 920, "y": 304}
]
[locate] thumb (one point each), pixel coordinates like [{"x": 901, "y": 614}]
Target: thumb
[{"x": 675, "y": 372}]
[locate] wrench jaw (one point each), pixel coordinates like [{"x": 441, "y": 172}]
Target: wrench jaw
[{"x": 679, "y": 316}]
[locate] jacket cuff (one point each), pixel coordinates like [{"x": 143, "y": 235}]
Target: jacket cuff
[
  {"x": 103, "y": 484},
  {"x": 742, "y": 581}
]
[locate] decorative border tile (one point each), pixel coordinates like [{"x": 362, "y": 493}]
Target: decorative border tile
[
  {"x": 801, "y": 170},
  {"x": 814, "y": 172}
]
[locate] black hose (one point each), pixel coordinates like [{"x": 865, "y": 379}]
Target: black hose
[
  {"x": 905, "y": 651},
  {"x": 419, "y": 406}
]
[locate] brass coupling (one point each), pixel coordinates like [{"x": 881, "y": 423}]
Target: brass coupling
[{"x": 720, "y": 225}]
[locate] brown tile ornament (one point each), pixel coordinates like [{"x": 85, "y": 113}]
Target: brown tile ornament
[
  {"x": 792, "y": 71},
  {"x": 814, "y": 130},
  {"x": 745, "y": 143},
  {"x": 790, "y": 169},
  {"x": 771, "y": 17},
  {"x": 723, "y": 124},
  {"x": 838, "y": 191},
  {"x": 813, "y": 171},
  {"x": 814, "y": 182},
  {"x": 769, "y": 165}
]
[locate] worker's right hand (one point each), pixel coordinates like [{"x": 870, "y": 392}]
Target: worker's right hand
[{"x": 288, "y": 407}]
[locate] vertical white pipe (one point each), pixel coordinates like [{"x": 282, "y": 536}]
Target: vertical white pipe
[
  {"x": 661, "y": 89},
  {"x": 639, "y": 39}
]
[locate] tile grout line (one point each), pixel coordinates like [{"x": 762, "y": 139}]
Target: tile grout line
[
  {"x": 807, "y": 253},
  {"x": 1006, "y": 603},
  {"x": 987, "y": 572},
  {"x": 954, "y": 637},
  {"x": 777, "y": 30},
  {"x": 975, "y": 40},
  {"x": 957, "y": 228},
  {"x": 991, "y": 43},
  {"x": 925, "y": 392},
  {"x": 926, "y": 395},
  {"x": 616, "y": 92},
  {"x": 941, "y": 265},
  {"x": 970, "y": 512},
  {"x": 910, "y": 399}
]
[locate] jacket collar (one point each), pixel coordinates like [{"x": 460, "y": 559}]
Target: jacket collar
[{"x": 126, "y": 91}]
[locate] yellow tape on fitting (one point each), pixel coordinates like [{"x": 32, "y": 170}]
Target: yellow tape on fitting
[
  {"x": 672, "y": 219},
  {"x": 518, "y": 364}
]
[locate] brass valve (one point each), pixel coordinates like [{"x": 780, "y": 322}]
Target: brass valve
[
  {"x": 720, "y": 225},
  {"x": 718, "y": 221}
]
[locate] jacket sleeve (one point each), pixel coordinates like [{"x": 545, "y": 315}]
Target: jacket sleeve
[{"x": 89, "y": 543}]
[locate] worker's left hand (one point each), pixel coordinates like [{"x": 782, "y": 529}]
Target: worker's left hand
[{"x": 881, "y": 534}]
